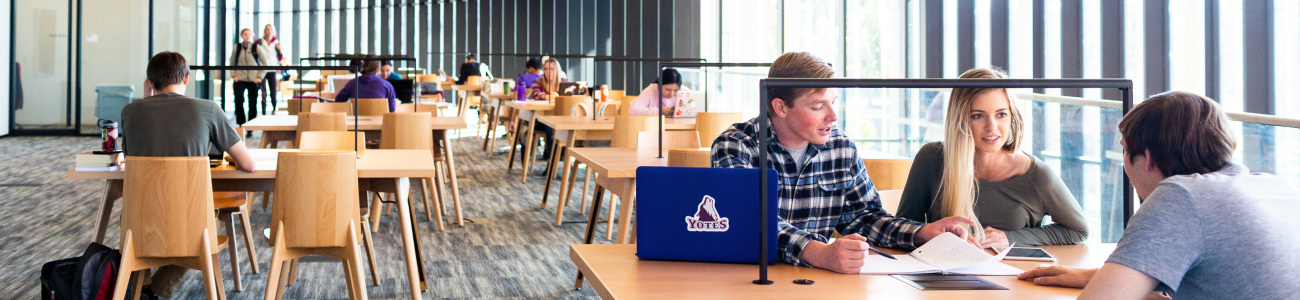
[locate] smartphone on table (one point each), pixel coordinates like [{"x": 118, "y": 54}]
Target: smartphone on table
[{"x": 1035, "y": 254}]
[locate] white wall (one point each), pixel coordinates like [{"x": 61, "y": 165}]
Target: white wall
[{"x": 5, "y": 15}]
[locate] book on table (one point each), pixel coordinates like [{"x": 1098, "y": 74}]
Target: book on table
[
  {"x": 89, "y": 161},
  {"x": 945, "y": 254}
]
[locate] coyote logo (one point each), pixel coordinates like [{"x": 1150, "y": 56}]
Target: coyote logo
[{"x": 706, "y": 218}]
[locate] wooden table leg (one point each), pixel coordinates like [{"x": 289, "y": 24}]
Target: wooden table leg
[
  {"x": 491, "y": 123},
  {"x": 564, "y": 178},
  {"x": 556, "y": 148},
  {"x": 112, "y": 192},
  {"x": 591, "y": 228},
  {"x": 451, "y": 171},
  {"x": 528, "y": 150},
  {"x": 626, "y": 203},
  {"x": 416, "y": 277}
]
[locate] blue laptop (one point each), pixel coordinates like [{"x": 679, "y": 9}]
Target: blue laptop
[{"x": 702, "y": 214}]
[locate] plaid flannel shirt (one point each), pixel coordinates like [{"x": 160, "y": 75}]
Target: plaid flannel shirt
[{"x": 831, "y": 192}]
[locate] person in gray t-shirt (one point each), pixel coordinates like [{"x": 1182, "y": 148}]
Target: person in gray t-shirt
[{"x": 1207, "y": 228}]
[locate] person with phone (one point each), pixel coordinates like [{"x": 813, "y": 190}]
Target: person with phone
[
  {"x": 647, "y": 104},
  {"x": 978, "y": 172},
  {"x": 1208, "y": 228}
]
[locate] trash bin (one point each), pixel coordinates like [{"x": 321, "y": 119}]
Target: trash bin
[{"x": 110, "y": 99}]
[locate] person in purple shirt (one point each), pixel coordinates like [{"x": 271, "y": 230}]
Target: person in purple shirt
[
  {"x": 371, "y": 86},
  {"x": 526, "y": 79}
]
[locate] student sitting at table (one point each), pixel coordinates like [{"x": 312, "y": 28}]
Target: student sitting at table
[
  {"x": 386, "y": 71},
  {"x": 544, "y": 88},
  {"x": 371, "y": 86},
  {"x": 533, "y": 71},
  {"x": 1207, "y": 227},
  {"x": 978, "y": 172},
  {"x": 824, "y": 186},
  {"x": 167, "y": 123},
  {"x": 647, "y": 105},
  {"x": 467, "y": 69}
]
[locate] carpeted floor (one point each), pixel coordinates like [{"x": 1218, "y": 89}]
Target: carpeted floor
[{"x": 517, "y": 254}]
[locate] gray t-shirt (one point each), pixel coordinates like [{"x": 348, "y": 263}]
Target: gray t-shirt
[
  {"x": 174, "y": 125},
  {"x": 797, "y": 155},
  {"x": 1223, "y": 235}
]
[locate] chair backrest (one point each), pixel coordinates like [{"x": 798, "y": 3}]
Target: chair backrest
[
  {"x": 672, "y": 139},
  {"x": 320, "y": 122},
  {"x": 564, "y": 104},
  {"x": 697, "y": 158},
  {"x": 294, "y": 104},
  {"x": 607, "y": 108},
  {"x": 474, "y": 80},
  {"x": 372, "y": 106},
  {"x": 712, "y": 124},
  {"x": 889, "y": 199},
  {"x": 412, "y": 107},
  {"x": 332, "y": 107},
  {"x": 625, "y": 107},
  {"x": 626, "y": 129},
  {"x": 888, "y": 173},
  {"x": 167, "y": 203},
  {"x": 581, "y": 110},
  {"x": 615, "y": 96},
  {"x": 315, "y": 198},
  {"x": 428, "y": 78},
  {"x": 406, "y": 131},
  {"x": 333, "y": 141}
]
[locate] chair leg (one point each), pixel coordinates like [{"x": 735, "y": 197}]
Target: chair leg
[
  {"x": 248, "y": 238},
  {"x": 424, "y": 191},
  {"x": 348, "y": 274},
  {"x": 438, "y": 188},
  {"x": 370, "y": 252},
  {"x": 221, "y": 283},
  {"x": 609, "y": 228},
  {"x": 514, "y": 141},
  {"x": 211, "y": 275},
  {"x": 126, "y": 265},
  {"x": 354, "y": 263},
  {"x": 293, "y": 271},
  {"x": 233, "y": 249},
  {"x": 374, "y": 211},
  {"x": 585, "y": 181},
  {"x": 274, "y": 278},
  {"x": 266, "y": 199},
  {"x": 139, "y": 283},
  {"x": 431, "y": 206},
  {"x": 564, "y": 201}
]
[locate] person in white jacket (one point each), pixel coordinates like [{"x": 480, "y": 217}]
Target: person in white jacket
[
  {"x": 247, "y": 53},
  {"x": 271, "y": 82}
]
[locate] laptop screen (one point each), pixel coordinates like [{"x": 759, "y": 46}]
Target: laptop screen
[{"x": 703, "y": 214}]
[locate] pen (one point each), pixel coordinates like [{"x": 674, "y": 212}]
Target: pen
[{"x": 882, "y": 253}]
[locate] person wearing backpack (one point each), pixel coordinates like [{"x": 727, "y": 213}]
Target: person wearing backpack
[{"x": 247, "y": 53}]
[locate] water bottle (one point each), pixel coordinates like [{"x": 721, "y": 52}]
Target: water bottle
[{"x": 108, "y": 135}]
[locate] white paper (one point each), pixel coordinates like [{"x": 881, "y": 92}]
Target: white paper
[
  {"x": 881, "y": 265},
  {"x": 946, "y": 253}
]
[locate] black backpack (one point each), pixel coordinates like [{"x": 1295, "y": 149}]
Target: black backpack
[
  {"x": 92, "y": 276},
  {"x": 239, "y": 48}
]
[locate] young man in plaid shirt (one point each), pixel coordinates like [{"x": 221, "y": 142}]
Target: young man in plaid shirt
[{"x": 823, "y": 185}]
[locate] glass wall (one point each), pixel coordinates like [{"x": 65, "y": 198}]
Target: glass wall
[{"x": 43, "y": 60}]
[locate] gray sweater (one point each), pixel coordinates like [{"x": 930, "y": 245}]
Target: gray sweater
[{"x": 1015, "y": 205}]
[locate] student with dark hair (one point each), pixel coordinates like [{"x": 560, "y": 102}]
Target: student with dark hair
[
  {"x": 1207, "y": 228},
  {"x": 824, "y": 186},
  {"x": 532, "y": 71},
  {"x": 370, "y": 86},
  {"x": 247, "y": 53},
  {"x": 167, "y": 123},
  {"x": 467, "y": 69},
  {"x": 647, "y": 105},
  {"x": 386, "y": 71}
]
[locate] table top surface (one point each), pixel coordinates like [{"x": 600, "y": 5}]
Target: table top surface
[
  {"x": 616, "y": 273},
  {"x": 290, "y": 123},
  {"x": 374, "y": 163},
  {"x": 618, "y": 162},
  {"x": 530, "y": 105},
  {"x": 471, "y": 88},
  {"x": 502, "y": 96},
  {"x": 606, "y": 123}
]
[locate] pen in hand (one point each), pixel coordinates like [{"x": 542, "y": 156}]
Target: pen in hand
[{"x": 882, "y": 253}]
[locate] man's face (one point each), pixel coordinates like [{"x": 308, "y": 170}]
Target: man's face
[
  {"x": 386, "y": 69},
  {"x": 811, "y": 119}
]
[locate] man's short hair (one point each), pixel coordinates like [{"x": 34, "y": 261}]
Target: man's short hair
[
  {"x": 797, "y": 65},
  {"x": 370, "y": 67},
  {"x": 1185, "y": 132},
  {"x": 167, "y": 68},
  {"x": 533, "y": 63},
  {"x": 469, "y": 56}
]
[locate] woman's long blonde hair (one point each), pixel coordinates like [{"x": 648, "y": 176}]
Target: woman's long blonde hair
[
  {"x": 960, "y": 189},
  {"x": 550, "y": 80}
]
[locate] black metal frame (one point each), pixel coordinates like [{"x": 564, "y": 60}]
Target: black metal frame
[
  {"x": 766, "y": 85},
  {"x": 661, "y": 66},
  {"x": 349, "y": 57}
]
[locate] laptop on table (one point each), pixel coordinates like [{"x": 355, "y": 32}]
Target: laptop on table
[{"x": 703, "y": 214}]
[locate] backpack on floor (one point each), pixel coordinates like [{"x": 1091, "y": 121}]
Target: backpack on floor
[{"x": 92, "y": 276}]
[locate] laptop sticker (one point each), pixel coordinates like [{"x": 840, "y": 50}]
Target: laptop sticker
[{"x": 706, "y": 218}]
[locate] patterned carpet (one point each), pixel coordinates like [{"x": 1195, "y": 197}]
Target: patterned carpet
[{"x": 518, "y": 254}]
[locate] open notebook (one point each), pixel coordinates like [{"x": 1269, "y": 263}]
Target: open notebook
[{"x": 947, "y": 254}]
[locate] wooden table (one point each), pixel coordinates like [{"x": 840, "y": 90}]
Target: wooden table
[
  {"x": 380, "y": 170},
  {"x": 616, "y": 273},
  {"x": 470, "y": 91},
  {"x": 529, "y": 111},
  {"x": 569, "y": 130},
  {"x": 617, "y": 169},
  {"x": 286, "y": 127},
  {"x": 492, "y": 108}
]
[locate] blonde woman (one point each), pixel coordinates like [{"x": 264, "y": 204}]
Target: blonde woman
[
  {"x": 546, "y": 87},
  {"x": 978, "y": 172},
  {"x": 270, "y": 82}
]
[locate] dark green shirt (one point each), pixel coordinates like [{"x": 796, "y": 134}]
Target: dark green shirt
[
  {"x": 174, "y": 125},
  {"x": 1015, "y": 205}
]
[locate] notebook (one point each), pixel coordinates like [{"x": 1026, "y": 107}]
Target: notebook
[
  {"x": 703, "y": 214},
  {"x": 945, "y": 254}
]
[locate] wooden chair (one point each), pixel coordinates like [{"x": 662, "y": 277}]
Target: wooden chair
[
  {"x": 411, "y": 107},
  {"x": 695, "y": 158},
  {"x": 888, "y": 173},
  {"x": 372, "y": 106},
  {"x": 412, "y": 131},
  {"x": 228, "y": 205},
  {"x": 626, "y": 129},
  {"x": 672, "y": 139},
  {"x": 167, "y": 219},
  {"x": 711, "y": 124},
  {"x": 625, "y": 106},
  {"x": 332, "y": 107},
  {"x": 316, "y": 214},
  {"x": 319, "y": 122},
  {"x": 293, "y": 105},
  {"x": 467, "y": 101},
  {"x": 344, "y": 141}
]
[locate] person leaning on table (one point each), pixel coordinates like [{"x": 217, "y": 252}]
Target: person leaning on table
[
  {"x": 167, "y": 123},
  {"x": 1207, "y": 228},
  {"x": 824, "y": 186},
  {"x": 979, "y": 172},
  {"x": 646, "y": 104}
]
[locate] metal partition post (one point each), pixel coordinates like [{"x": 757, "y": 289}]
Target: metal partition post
[
  {"x": 766, "y": 85},
  {"x": 661, "y": 66}
]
